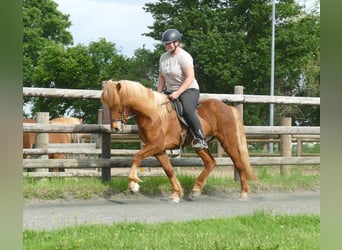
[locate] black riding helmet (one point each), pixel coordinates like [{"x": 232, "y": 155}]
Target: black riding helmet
[{"x": 171, "y": 35}]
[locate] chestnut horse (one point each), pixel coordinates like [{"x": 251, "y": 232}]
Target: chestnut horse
[
  {"x": 63, "y": 137},
  {"x": 159, "y": 128},
  {"x": 29, "y": 138}
]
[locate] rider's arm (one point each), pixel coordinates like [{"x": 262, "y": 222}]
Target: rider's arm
[{"x": 161, "y": 83}]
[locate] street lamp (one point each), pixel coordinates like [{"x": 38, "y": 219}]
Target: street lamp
[{"x": 272, "y": 72}]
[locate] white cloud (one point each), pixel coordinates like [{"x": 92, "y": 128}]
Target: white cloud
[
  {"x": 121, "y": 22},
  {"x": 309, "y": 4}
]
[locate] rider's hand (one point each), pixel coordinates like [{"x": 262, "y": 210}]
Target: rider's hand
[{"x": 174, "y": 95}]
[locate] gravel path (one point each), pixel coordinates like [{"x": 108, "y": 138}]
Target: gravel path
[{"x": 47, "y": 215}]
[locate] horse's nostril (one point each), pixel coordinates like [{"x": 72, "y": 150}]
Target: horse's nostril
[{"x": 117, "y": 129}]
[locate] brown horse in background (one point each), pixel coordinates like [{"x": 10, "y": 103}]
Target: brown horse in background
[
  {"x": 29, "y": 139},
  {"x": 159, "y": 128},
  {"x": 63, "y": 137}
]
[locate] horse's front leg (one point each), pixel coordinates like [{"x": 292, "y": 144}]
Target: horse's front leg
[
  {"x": 177, "y": 190},
  {"x": 133, "y": 179}
]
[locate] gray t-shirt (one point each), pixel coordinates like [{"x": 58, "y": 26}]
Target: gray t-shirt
[{"x": 172, "y": 68}]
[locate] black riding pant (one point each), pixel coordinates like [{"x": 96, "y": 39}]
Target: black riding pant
[{"x": 190, "y": 99}]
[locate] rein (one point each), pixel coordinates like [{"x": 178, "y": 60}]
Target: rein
[
  {"x": 124, "y": 117},
  {"x": 167, "y": 107}
]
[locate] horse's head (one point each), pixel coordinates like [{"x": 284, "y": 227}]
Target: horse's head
[
  {"x": 118, "y": 117},
  {"x": 118, "y": 112}
]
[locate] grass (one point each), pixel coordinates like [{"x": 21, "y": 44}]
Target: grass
[
  {"x": 260, "y": 230},
  {"x": 92, "y": 187},
  {"x": 307, "y": 147}
]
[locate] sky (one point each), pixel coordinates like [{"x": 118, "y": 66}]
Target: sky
[{"x": 119, "y": 21}]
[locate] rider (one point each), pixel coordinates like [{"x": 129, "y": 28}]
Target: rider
[{"x": 176, "y": 73}]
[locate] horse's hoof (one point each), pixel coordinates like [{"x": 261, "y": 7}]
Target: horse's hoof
[
  {"x": 175, "y": 199},
  {"x": 243, "y": 195},
  {"x": 134, "y": 187},
  {"x": 195, "y": 194}
]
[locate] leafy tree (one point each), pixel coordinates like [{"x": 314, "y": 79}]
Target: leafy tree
[
  {"x": 60, "y": 67},
  {"x": 144, "y": 67},
  {"x": 78, "y": 67},
  {"x": 231, "y": 44},
  {"x": 42, "y": 23},
  {"x": 229, "y": 40},
  {"x": 105, "y": 60},
  {"x": 85, "y": 67}
]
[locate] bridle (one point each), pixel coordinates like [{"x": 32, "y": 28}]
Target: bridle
[{"x": 124, "y": 117}]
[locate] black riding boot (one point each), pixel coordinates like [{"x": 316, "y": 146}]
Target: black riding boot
[{"x": 199, "y": 142}]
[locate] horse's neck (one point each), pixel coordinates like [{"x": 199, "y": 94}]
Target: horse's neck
[{"x": 135, "y": 109}]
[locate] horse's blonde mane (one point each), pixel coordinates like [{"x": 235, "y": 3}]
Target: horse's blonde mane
[
  {"x": 109, "y": 95},
  {"x": 136, "y": 96}
]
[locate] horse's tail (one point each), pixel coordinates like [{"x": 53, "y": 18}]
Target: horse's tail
[{"x": 242, "y": 146}]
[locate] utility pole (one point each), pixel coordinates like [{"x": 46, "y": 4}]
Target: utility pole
[{"x": 272, "y": 73}]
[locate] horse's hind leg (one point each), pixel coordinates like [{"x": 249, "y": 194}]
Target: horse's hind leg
[
  {"x": 177, "y": 191},
  {"x": 240, "y": 158},
  {"x": 209, "y": 164},
  {"x": 243, "y": 178}
]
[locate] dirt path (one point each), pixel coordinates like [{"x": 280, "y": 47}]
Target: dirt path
[{"x": 49, "y": 215}]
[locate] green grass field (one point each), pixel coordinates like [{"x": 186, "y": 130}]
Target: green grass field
[
  {"x": 303, "y": 178},
  {"x": 260, "y": 230}
]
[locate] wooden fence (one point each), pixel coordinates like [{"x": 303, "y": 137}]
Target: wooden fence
[{"x": 106, "y": 162}]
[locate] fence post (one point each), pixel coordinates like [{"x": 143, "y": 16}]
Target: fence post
[
  {"x": 98, "y": 141},
  {"x": 220, "y": 150},
  {"x": 238, "y": 90},
  {"x": 42, "y": 139},
  {"x": 299, "y": 147},
  {"x": 106, "y": 143},
  {"x": 285, "y": 145}
]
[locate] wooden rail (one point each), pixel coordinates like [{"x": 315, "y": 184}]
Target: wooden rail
[
  {"x": 130, "y": 131},
  {"x": 95, "y": 94},
  {"x": 125, "y": 162}
]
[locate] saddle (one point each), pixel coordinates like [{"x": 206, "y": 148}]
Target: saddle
[
  {"x": 177, "y": 105},
  {"x": 184, "y": 137}
]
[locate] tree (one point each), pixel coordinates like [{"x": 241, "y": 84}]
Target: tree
[
  {"x": 231, "y": 44},
  {"x": 60, "y": 67},
  {"x": 42, "y": 23},
  {"x": 78, "y": 67},
  {"x": 144, "y": 67}
]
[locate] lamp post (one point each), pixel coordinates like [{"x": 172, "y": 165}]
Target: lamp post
[{"x": 272, "y": 72}]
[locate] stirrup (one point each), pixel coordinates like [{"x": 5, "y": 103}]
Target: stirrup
[
  {"x": 199, "y": 144},
  {"x": 174, "y": 153}
]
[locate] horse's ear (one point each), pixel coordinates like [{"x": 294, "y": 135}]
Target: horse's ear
[{"x": 118, "y": 86}]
